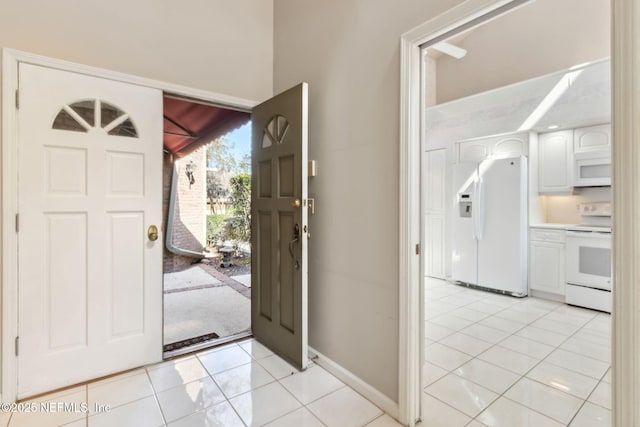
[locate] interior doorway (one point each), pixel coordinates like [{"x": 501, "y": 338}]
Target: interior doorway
[
  {"x": 487, "y": 354},
  {"x": 206, "y": 205}
]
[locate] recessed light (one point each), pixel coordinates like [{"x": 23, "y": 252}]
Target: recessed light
[{"x": 553, "y": 127}]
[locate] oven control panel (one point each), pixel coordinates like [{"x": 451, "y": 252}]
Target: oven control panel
[{"x": 595, "y": 209}]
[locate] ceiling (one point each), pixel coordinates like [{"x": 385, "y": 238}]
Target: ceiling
[
  {"x": 189, "y": 125},
  {"x": 585, "y": 101}
]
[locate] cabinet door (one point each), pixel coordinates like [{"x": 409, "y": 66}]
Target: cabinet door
[
  {"x": 511, "y": 145},
  {"x": 435, "y": 246},
  {"x": 477, "y": 150},
  {"x": 555, "y": 162},
  {"x": 473, "y": 151},
  {"x": 593, "y": 141},
  {"x": 435, "y": 206},
  {"x": 547, "y": 267}
]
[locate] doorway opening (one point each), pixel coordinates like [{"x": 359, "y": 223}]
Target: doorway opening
[
  {"x": 206, "y": 206},
  {"x": 488, "y": 356}
]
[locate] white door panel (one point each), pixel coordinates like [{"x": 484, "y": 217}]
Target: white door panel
[
  {"x": 90, "y": 281},
  {"x": 435, "y": 250},
  {"x": 279, "y": 229},
  {"x": 464, "y": 261},
  {"x": 435, "y": 208},
  {"x": 502, "y": 261}
]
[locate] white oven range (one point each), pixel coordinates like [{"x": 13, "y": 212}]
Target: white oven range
[{"x": 588, "y": 267}]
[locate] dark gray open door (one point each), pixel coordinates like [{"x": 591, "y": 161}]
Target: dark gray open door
[{"x": 279, "y": 226}]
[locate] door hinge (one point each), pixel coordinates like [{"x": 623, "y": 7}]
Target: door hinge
[
  {"x": 17, "y": 345},
  {"x": 17, "y": 223},
  {"x": 417, "y": 248},
  {"x": 17, "y": 99}
]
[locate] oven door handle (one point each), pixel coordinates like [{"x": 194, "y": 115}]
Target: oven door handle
[{"x": 588, "y": 234}]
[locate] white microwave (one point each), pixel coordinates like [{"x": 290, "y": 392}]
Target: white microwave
[{"x": 592, "y": 172}]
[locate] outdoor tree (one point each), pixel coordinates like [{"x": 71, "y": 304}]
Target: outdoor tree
[
  {"x": 220, "y": 156},
  {"x": 228, "y": 181},
  {"x": 220, "y": 162},
  {"x": 241, "y": 207},
  {"x": 244, "y": 166}
]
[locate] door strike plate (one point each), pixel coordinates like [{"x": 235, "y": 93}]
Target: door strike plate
[{"x": 311, "y": 204}]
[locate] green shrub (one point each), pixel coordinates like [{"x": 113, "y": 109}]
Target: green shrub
[{"x": 216, "y": 228}]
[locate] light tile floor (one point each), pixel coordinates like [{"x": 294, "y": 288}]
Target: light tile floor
[
  {"x": 493, "y": 360},
  {"x": 241, "y": 384}
]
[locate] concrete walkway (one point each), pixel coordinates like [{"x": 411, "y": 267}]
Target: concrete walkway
[{"x": 200, "y": 300}]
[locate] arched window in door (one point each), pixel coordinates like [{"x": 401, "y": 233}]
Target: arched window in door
[{"x": 88, "y": 114}]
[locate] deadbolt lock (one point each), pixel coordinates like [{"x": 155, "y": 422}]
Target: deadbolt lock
[{"x": 152, "y": 232}]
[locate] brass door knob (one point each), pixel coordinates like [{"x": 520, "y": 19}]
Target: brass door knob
[
  {"x": 296, "y": 203},
  {"x": 152, "y": 232}
]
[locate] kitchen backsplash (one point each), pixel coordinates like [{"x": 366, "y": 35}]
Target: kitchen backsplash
[{"x": 564, "y": 209}]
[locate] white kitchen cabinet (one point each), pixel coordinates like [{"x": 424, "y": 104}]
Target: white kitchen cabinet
[
  {"x": 479, "y": 149},
  {"x": 592, "y": 141},
  {"x": 546, "y": 262},
  {"x": 555, "y": 162},
  {"x": 571, "y": 158}
]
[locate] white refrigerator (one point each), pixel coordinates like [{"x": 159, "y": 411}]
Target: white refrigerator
[{"x": 489, "y": 226}]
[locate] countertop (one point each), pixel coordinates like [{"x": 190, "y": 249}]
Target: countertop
[
  {"x": 551, "y": 226},
  {"x": 573, "y": 227}
]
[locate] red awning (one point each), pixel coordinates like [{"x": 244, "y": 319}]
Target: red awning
[{"x": 189, "y": 125}]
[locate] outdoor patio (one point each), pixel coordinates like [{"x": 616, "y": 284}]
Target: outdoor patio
[{"x": 199, "y": 301}]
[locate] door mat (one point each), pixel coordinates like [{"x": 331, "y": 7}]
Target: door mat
[{"x": 188, "y": 342}]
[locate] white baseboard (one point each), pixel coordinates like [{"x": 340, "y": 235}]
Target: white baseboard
[
  {"x": 546, "y": 295},
  {"x": 349, "y": 378}
]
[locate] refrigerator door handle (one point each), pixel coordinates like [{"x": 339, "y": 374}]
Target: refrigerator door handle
[
  {"x": 474, "y": 203},
  {"x": 478, "y": 225}
]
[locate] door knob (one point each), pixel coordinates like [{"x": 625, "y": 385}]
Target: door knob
[
  {"x": 152, "y": 232},
  {"x": 296, "y": 203}
]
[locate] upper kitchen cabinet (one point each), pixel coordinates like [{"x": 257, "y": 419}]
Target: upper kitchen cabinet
[
  {"x": 555, "y": 161},
  {"x": 571, "y": 158},
  {"x": 593, "y": 141},
  {"x": 479, "y": 149},
  {"x": 592, "y": 156}
]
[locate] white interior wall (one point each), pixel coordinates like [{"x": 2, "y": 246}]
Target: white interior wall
[
  {"x": 1, "y": 228},
  {"x": 542, "y": 37},
  {"x": 349, "y": 52},
  {"x": 563, "y": 209},
  {"x": 217, "y": 45}
]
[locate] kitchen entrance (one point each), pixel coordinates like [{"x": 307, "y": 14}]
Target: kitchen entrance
[{"x": 544, "y": 357}]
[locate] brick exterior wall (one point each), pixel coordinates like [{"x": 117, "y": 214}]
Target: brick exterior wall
[{"x": 190, "y": 219}]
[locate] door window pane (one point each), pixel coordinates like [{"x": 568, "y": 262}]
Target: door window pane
[{"x": 64, "y": 121}]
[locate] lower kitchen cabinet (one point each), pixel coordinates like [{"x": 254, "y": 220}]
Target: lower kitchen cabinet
[{"x": 546, "y": 262}]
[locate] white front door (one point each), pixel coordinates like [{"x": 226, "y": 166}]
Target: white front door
[
  {"x": 90, "y": 187},
  {"x": 279, "y": 229}
]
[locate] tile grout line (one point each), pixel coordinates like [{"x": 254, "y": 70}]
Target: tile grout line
[
  {"x": 155, "y": 396},
  {"x": 529, "y": 324},
  {"x": 256, "y": 360}
]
